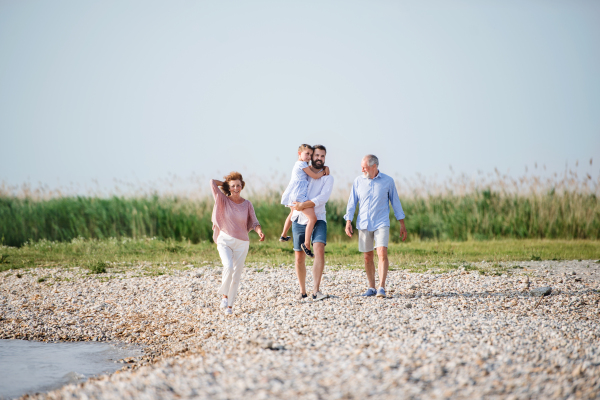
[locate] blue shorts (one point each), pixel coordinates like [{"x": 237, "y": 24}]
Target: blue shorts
[{"x": 319, "y": 234}]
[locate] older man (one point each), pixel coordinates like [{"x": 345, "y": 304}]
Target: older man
[
  {"x": 319, "y": 191},
  {"x": 373, "y": 192}
]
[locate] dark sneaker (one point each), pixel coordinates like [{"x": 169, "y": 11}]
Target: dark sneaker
[
  {"x": 307, "y": 251},
  {"x": 284, "y": 239},
  {"x": 301, "y": 296}
]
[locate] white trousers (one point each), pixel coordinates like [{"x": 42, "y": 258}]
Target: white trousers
[{"x": 233, "y": 254}]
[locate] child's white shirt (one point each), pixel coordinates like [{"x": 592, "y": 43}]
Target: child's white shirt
[
  {"x": 298, "y": 173},
  {"x": 297, "y": 189}
]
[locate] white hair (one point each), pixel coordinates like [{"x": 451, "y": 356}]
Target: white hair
[{"x": 372, "y": 159}]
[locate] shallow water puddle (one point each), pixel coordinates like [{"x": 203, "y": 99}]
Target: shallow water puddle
[{"x": 30, "y": 367}]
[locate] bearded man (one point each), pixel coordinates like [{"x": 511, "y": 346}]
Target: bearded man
[{"x": 319, "y": 191}]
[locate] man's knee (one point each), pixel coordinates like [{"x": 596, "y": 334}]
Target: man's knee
[
  {"x": 382, "y": 253},
  {"x": 300, "y": 258},
  {"x": 368, "y": 255},
  {"x": 319, "y": 249}
]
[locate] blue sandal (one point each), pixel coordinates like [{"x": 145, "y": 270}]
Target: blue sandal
[
  {"x": 284, "y": 239},
  {"x": 307, "y": 251}
]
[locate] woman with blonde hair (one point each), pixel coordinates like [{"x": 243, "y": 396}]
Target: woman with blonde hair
[{"x": 233, "y": 217}]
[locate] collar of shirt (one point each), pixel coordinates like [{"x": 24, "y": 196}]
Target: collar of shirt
[{"x": 376, "y": 176}]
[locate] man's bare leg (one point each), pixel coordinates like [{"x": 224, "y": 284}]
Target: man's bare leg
[
  {"x": 318, "y": 265},
  {"x": 383, "y": 265},
  {"x": 370, "y": 268},
  {"x": 301, "y": 270}
]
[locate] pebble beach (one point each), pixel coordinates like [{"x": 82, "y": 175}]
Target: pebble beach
[{"x": 531, "y": 332}]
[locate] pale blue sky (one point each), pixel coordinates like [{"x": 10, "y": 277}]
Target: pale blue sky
[{"x": 135, "y": 90}]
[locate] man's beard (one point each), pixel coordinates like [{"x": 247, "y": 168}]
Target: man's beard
[{"x": 318, "y": 164}]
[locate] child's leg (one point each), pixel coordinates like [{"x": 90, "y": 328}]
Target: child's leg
[
  {"x": 312, "y": 220},
  {"x": 287, "y": 225}
]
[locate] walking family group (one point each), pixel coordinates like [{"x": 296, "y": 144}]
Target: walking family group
[{"x": 307, "y": 193}]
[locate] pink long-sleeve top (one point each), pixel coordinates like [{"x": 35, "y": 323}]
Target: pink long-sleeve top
[{"x": 236, "y": 220}]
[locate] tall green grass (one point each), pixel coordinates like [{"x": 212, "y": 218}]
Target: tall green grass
[{"x": 478, "y": 215}]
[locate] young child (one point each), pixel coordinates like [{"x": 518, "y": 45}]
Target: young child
[{"x": 297, "y": 191}]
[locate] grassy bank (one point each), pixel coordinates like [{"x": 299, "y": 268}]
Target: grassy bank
[
  {"x": 104, "y": 255},
  {"x": 481, "y": 215}
]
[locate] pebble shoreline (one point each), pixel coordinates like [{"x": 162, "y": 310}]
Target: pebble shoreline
[{"x": 436, "y": 335}]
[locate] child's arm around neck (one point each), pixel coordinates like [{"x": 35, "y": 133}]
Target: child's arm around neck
[{"x": 315, "y": 175}]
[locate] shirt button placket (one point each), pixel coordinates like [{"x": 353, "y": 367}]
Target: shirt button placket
[{"x": 369, "y": 226}]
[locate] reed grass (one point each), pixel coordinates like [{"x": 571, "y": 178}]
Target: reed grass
[
  {"x": 461, "y": 208},
  {"x": 481, "y": 215}
]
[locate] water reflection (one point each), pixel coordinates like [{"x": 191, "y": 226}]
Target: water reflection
[{"x": 30, "y": 367}]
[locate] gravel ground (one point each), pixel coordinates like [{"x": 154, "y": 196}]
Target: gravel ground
[{"x": 449, "y": 335}]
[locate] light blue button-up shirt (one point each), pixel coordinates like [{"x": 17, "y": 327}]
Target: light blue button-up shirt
[{"x": 374, "y": 197}]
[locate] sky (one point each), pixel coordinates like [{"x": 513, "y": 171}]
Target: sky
[{"x": 142, "y": 91}]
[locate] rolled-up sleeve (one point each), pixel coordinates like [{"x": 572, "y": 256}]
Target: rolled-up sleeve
[
  {"x": 351, "y": 207},
  {"x": 395, "y": 200},
  {"x": 252, "y": 220},
  {"x": 323, "y": 196}
]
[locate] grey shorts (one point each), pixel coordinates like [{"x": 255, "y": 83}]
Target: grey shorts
[{"x": 367, "y": 241}]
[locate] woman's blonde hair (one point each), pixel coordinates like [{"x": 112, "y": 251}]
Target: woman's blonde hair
[{"x": 233, "y": 176}]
